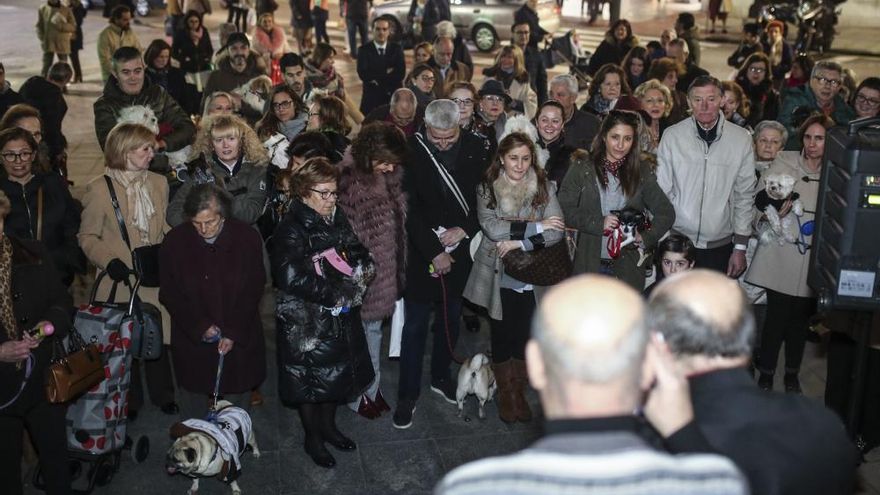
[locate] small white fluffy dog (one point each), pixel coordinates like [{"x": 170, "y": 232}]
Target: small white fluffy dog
[
  {"x": 778, "y": 188},
  {"x": 145, "y": 116},
  {"x": 204, "y": 449},
  {"x": 255, "y": 92},
  {"x": 475, "y": 377}
]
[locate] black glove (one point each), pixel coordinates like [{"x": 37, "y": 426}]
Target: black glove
[{"x": 117, "y": 270}]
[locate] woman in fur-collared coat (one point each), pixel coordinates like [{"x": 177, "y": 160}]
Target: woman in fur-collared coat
[
  {"x": 517, "y": 209},
  {"x": 371, "y": 195},
  {"x": 322, "y": 354}
]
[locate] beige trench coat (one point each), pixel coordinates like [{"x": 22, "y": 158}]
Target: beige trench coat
[
  {"x": 101, "y": 240},
  {"x": 56, "y": 26},
  {"x": 783, "y": 268}
]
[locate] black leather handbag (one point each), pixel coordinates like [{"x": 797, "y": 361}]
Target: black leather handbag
[{"x": 144, "y": 258}]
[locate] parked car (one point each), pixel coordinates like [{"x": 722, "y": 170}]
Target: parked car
[{"x": 485, "y": 22}]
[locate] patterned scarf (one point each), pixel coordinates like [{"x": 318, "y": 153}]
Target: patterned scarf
[
  {"x": 140, "y": 206},
  {"x": 609, "y": 166},
  {"x": 601, "y": 105},
  {"x": 7, "y": 319}
]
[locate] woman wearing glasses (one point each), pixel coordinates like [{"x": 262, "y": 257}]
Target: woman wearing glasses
[
  {"x": 756, "y": 80},
  {"x": 229, "y": 154},
  {"x": 781, "y": 265},
  {"x": 422, "y": 81},
  {"x": 285, "y": 118},
  {"x": 42, "y": 207},
  {"x": 321, "y": 271},
  {"x": 866, "y": 101},
  {"x": 327, "y": 116}
]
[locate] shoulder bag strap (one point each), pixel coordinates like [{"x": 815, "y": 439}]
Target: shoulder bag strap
[
  {"x": 39, "y": 233},
  {"x": 447, "y": 178},
  {"x": 115, "y": 201}
]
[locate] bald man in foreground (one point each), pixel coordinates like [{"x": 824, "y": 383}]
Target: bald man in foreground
[
  {"x": 784, "y": 443},
  {"x": 589, "y": 359}
]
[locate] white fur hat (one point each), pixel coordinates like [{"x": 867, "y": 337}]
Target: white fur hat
[{"x": 520, "y": 123}]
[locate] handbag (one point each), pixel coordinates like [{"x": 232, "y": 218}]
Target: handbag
[
  {"x": 145, "y": 258},
  {"x": 73, "y": 371},
  {"x": 542, "y": 266}
]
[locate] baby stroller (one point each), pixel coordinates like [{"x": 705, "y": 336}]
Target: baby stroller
[
  {"x": 566, "y": 49},
  {"x": 96, "y": 421}
]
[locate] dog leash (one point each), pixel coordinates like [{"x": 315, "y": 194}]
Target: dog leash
[
  {"x": 455, "y": 358},
  {"x": 28, "y": 368},
  {"x": 614, "y": 241},
  {"x": 212, "y": 411}
]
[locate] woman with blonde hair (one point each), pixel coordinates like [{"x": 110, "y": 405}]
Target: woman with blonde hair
[
  {"x": 510, "y": 69},
  {"x": 656, "y": 101},
  {"x": 142, "y": 198},
  {"x": 229, "y": 153},
  {"x": 218, "y": 103},
  {"x": 735, "y": 104}
]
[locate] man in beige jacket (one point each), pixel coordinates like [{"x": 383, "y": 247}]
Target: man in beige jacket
[{"x": 116, "y": 35}]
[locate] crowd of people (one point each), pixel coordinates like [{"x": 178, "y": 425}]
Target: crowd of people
[{"x": 254, "y": 163}]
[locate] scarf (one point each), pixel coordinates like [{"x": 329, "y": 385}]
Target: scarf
[
  {"x": 775, "y": 54},
  {"x": 140, "y": 206},
  {"x": 601, "y": 105},
  {"x": 609, "y": 166},
  {"x": 294, "y": 126},
  {"x": 7, "y": 319}
]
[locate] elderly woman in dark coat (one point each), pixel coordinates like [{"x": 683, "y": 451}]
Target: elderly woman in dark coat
[
  {"x": 322, "y": 353},
  {"x": 212, "y": 278},
  {"x": 31, "y": 290},
  {"x": 371, "y": 195}
]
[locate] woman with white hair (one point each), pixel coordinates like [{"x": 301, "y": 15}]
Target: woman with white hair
[{"x": 770, "y": 137}]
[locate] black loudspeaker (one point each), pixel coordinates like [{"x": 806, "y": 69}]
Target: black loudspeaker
[{"x": 845, "y": 258}]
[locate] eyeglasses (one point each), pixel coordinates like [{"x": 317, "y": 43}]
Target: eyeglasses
[
  {"x": 282, "y": 105},
  {"x": 326, "y": 194},
  {"x": 757, "y": 70},
  {"x": 313, "y": 114},
  {"x": 824, "y": 80},
  {"x": 21, "y": 156},
  {"x": 493, "y": 98},
  {"x": 860, "y": 98},
  {"x": 467, "y": 102},
  {"x": 427, "y": 78}
]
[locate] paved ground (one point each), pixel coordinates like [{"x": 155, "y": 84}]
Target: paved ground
[{"x": 387, "y": 460}]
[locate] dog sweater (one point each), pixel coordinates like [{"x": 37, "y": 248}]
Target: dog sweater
[{"x": 231, "y": 430}]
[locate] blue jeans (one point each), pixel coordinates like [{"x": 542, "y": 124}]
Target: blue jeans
[
  {"x": 354, "y": 26},
  {"x": 414, "y": 338}
]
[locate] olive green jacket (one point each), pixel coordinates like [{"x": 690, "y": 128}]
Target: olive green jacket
[{"x": 582, "y": 206}]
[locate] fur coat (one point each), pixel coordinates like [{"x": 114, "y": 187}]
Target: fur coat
[{"x": 376, "y": 208}]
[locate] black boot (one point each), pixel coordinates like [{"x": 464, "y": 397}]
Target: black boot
[
  {"x": 314, "y": 443},
  {"x": 765, "y": 381},
  {"x": 329, "y": 431},
  {"x": 792, "y": 383}
]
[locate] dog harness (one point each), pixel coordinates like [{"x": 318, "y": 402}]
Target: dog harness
[{"x": 231, "y": 429}]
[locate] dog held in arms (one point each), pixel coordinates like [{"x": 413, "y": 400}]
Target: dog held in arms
[
  {"x": 475, "y": 377},
  {"x": 778, "y": 188},
  {"x": 203, "y": 449}
]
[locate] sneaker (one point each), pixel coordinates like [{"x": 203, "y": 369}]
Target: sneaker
[
  {"x": 403, "y": 414},
  {"x": 444, "y": 388}
]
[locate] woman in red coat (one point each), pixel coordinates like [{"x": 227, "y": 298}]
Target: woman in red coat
[{"x": 212, "y": 278}]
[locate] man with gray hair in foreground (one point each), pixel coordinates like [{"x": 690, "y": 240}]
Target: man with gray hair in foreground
[
  {"x": 785, "y": 444},
  {"x": 590, "y": 359},
  {"x": 444, "y": 165}
]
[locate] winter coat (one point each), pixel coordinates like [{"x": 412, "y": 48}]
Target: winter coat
[
  {"x": 168, "y": 113},
  {"x": 432, "y": 205},
  {"x": 321, "y": 357},
  {"x": 691, "y": 72},
  {"x": 742, "y": 52},
  {"x": 357, "y": 10},
  {"x": 802, "y": 96},
  {"x": 711, "y": 187},
  {"x": 225, "y": 78},
  {"x": 55, "y": 28},
  {"x": 611, "y": 51},
  {"x": 692, "y": 38},
  {"x": 37, "y": 295},
  {"x": 48, "y": 98},
  {"x": 763, "y": 100},
  {"x": 111, "y": 39},
  {"x": 101, "y": 241},
  {"x": 246, "y": 184},
  {"x": 60, "y": 220},
  {"x": 173, "y": 81},
  {"x": 580, "y": 199},
  {"x": 339, "y": 141},
  {"x": 79, "y": 14},
  {"x": 784, "y": 268},
  {"x": 375, "y": 205},
  {"x": 219, "y": 284},
  {"x": 537, "y": 72},
  {"x": 457, "y": 71},
  {"x": 270, "y": 45},
  {"x": 512, "y": 202},
  {"x": 780, "y": 70},
  {"x": 192, "y": 57},
  {"x": 525, "y": 101}
]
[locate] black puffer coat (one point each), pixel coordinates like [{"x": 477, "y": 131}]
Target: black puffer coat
[{"x": 321, "y": 357}]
